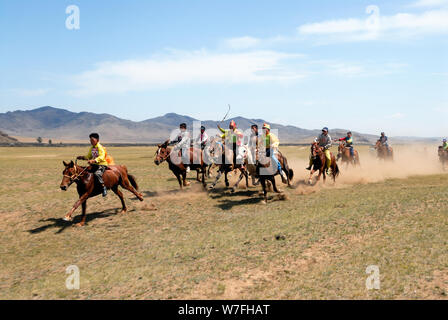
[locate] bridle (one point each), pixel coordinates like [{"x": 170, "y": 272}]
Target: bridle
[
  {"x": 75, "y": 176},
  {"x": 163, "y": 158}
]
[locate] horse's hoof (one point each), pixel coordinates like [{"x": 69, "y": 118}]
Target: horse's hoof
[
  {"x": 124, "y": 211},
  {"x": 68, "y": 219},
  {"x": 233, "y": 190},
  {"x": 79, "y": 224},
  {"x": 264, "y": 202}
]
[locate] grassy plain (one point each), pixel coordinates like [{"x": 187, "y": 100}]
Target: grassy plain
[{"x": 315, "y": 243}]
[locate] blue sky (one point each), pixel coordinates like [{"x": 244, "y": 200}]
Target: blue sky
[{"x": 362, "y": 65}]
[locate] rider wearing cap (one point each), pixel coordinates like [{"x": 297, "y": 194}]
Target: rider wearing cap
[
  {"x": 271, "y": 143},
  {"x": 182, "y": 142},
  {"x": 324, "y": 141},
  {"x": 348, "y": 143},
  {"x": 233, "y": 138},
  {"x": 445, "y": 145}
]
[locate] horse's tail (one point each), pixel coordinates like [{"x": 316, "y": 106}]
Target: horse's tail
[
  {"x": 335, "y": 171},
  {"x": 133, "y": 181}
]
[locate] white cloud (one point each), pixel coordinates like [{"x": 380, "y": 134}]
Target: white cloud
[
  {"x": 180, "y": 68},
  {"x": 376, "y": 26}
]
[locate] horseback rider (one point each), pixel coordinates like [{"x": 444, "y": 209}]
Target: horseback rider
[
  {"x": 182, "y": 142},
  {"x": 97, "y": 159},
  {"x": 445, "y": 145},
  {"x": 201, "y": 139},
  {"x": 348, "y": 143},
  {"x": 383, "y": 141},
  {"x": 324, "y": 141},
  {"x": 233, "y": 139},
  {"x": 271, "y": 142}
]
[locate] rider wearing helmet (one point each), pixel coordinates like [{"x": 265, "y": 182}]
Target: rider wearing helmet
[
  {"x": 324, "y": 141},
  {"x": 182, "y": 143},
  {"x": 271, "y": 143},
  {"x": 348, "y": 143},
  {"x": 233, "y": 138}
]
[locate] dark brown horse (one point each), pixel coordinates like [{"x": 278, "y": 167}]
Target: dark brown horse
[
  {"x": 164, "y": 153},
  {"x": 344, "y": 154},
  {"x": 383, "y": 153},
  {"x": 267, "y": 170},
  {"x": 88, "y": 187},
  {"x": 319, "y": 163},
  {"x": 443, "y": 157}
]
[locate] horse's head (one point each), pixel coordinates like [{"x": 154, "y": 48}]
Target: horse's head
[
  {"x": 315, "y": 149},
  {"x": 69, "y": 175},
  {"x": 341, "y": 147},
  {"x": 162, "y": 153}
]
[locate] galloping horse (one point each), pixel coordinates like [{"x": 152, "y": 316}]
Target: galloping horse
[
  {"x": 88, "y": 187},
  {"x": 383, "y": 153},
  {"x": 227, "y": 165},
  {"x": 267, "y": 170},
  {"x": 163, "y": 153},
  {"x": 443, "y": 157},
  {"x": 319, "y": 163},
  {"x": 344, "y": 153}
]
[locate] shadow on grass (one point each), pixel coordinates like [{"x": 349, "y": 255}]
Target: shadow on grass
[
  {"x": 228, "y": 204},
  {"x": 62, "y": 224}
]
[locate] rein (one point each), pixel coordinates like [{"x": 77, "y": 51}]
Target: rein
[{"x": 76, "y": 175}]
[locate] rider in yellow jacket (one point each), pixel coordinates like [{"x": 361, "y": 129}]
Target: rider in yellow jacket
[
  {"x": 270, "y": 142},
  {"x": 97, "y": 159}
]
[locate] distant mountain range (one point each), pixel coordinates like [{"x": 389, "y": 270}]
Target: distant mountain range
[{"x": 55, "y": 123}]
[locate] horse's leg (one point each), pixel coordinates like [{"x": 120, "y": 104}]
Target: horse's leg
[
  {"x": 237, "y": 182},
  {"x": 265, "y": 192},
  {"x": 204, "y": 172},
  {"x": 226, "y": 178},
  {"x": 120, "y": 195},
  {"x": 274, "y": 185},
  {"x": 218, "y": 176},
  {"x": 83, "y": 216},
  {"x": 310, "y": 180},
  {"x": 184, "y": 179},
  {"x": 127, "y": 185},
  {"x": 68, "y": 216},
  {"x": 246, "y": 175}
]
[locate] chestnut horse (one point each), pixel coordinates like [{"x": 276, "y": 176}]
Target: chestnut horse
[
  {"x": 319, "y": 163},
  {"x": 88, "y": 187},
  {"x": 383, "y": 153},
  {"x": 163, "y": 153},
  {"x": 344, "y": 153},
  {"x": 267, "y": 170}
]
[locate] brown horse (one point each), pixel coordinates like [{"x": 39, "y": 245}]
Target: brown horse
[
  {"x": 163, "y": 153},
  {"x": 319, "y": 163},
  {"x": 443, "y": 157},
  {"x": 383, "y": 153},
  {"x": 267, "y": 170},
  {"x": 344, "y": 154},
  {"x": 88, "y": 187}
]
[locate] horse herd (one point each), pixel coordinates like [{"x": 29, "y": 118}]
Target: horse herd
[{"x": 256, "y": 164}]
